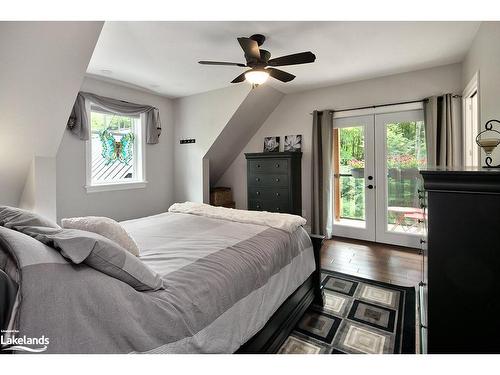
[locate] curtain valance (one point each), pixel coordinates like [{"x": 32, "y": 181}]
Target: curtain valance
[{"x": 78, "y": 122}]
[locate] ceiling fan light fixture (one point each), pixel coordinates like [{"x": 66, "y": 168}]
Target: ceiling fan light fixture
[
  {"x": 260, "y": 63},
  {"x": 256, "y": 77}
]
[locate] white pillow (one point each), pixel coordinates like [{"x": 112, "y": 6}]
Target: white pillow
[{"x": 104, "y": 226}]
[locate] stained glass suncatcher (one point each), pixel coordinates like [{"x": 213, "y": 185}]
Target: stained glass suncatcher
[{"x": 113, "y": 150}]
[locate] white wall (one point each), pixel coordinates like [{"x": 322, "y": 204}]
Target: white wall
[
  {"x": 28, "y": 198},
  {"x": 39, "y": 192},
  {"x": 247, "y": 119},
  {"x": 72, "y": 198},
  {"x": 292, "y": 116},
  {"x": 42, "y": 67},
  {"x": 484, "y": 56},
  {"x": 201, "y": 116}
]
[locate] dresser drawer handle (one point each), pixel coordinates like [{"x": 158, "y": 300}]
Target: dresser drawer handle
[
  {"x": 277, "y": 194},
  {"x": 277, "y": 180},
  {"x": 257, "y": 193},
  {"x": 258, "y": 206},
  {"x": 257, "y": 179},
  {"x": 277, "y": 209},
  {"x": 277, "y": 165},
  {"x": 258, "y": 165}
]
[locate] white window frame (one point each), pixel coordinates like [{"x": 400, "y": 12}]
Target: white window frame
[
  {"x": 140, "y": 164},
  {"x": 469, "y": 140}
]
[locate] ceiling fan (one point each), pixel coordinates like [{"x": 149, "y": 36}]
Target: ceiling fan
[{"x": 260, "y": 63}]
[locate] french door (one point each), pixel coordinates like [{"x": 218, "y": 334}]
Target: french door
[
  {"x": 354, "y": 177},
  {"x": 376, "y": 162}
]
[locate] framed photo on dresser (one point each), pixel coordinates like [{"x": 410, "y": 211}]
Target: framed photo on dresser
[
  {"x": 293, "y": 143},
  {"x": 271, "y": 144}
]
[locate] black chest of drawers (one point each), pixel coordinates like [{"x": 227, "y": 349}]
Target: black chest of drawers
[
  {"x": 274, "y": 182},
  {"x": 462, "y": 260}
]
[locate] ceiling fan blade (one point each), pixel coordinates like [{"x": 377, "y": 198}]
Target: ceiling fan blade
[
  {"x": 251, "y": 48},
  {"x": 280, "y": 75},
  {"x": 221, "y": 63},
  {"x": 296, "y": 58},
  {"x": 239, "y": 79}
]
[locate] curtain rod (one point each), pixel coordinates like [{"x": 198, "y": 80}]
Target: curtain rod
[
  {"x": 377, "y": 106},
  {"x": 386, "y": 105}
]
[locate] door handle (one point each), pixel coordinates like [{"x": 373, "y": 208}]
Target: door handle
[{"x": 370, "y": 186}]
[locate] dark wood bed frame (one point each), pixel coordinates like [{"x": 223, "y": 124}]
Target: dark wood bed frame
[
  {"x": 277, "y": 329},
  {"x": 268, "y": 339}
]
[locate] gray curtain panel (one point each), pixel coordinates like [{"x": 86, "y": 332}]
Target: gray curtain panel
[
  {"x": 78, "y": 122},
  {"x": 322, "y": 144},
  {"x": 443, "y": 129}
]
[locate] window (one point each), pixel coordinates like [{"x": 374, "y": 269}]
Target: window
[{"x": 115, "y": 152}]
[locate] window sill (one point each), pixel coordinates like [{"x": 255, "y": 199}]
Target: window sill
[{"x": 117, "y": 186}]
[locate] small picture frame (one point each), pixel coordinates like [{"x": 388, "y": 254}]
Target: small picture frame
[
  {"x": 271, "y": 144},
  {"x": 293, "y": 143}
]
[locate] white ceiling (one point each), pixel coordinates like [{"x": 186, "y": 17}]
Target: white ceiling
[{"x": 162, "y": 56}]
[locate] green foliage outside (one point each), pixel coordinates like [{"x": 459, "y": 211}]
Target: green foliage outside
[
  {"x": 101, "y": 121},
  {"x": 352, "y": 155},
  {"x": 406, "y": 153}
]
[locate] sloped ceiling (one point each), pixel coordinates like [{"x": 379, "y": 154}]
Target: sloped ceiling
[
  {"x": 247, "y": 119},
  {"x": 42, "y": 67}
]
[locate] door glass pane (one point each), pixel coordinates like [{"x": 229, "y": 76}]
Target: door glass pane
[
  {"x": 349, "y": 164},
  {"x": 406, "y": 155}
]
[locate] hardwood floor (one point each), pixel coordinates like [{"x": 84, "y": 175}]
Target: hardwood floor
[{"x": 387, "y": 263}]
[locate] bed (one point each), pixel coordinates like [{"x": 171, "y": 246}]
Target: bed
[{"x": 229, "y": 287}]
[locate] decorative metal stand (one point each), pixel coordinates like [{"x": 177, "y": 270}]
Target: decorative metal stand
[{"x": 489, "y": 144}]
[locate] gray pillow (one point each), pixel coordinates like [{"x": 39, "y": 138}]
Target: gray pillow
[
  {"x": 17, "y": 218},
  {"x": 99, "y": 253}
]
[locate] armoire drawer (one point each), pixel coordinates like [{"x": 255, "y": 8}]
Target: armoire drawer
[
  {"x": 268, "y": 205},
  {"x": 274, "y": 166},
  {"x": 268, "y": 180},
  {"x": 265, "y": 193}
]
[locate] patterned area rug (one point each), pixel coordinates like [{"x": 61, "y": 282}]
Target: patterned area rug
[{"x": 359, "y": 316}]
